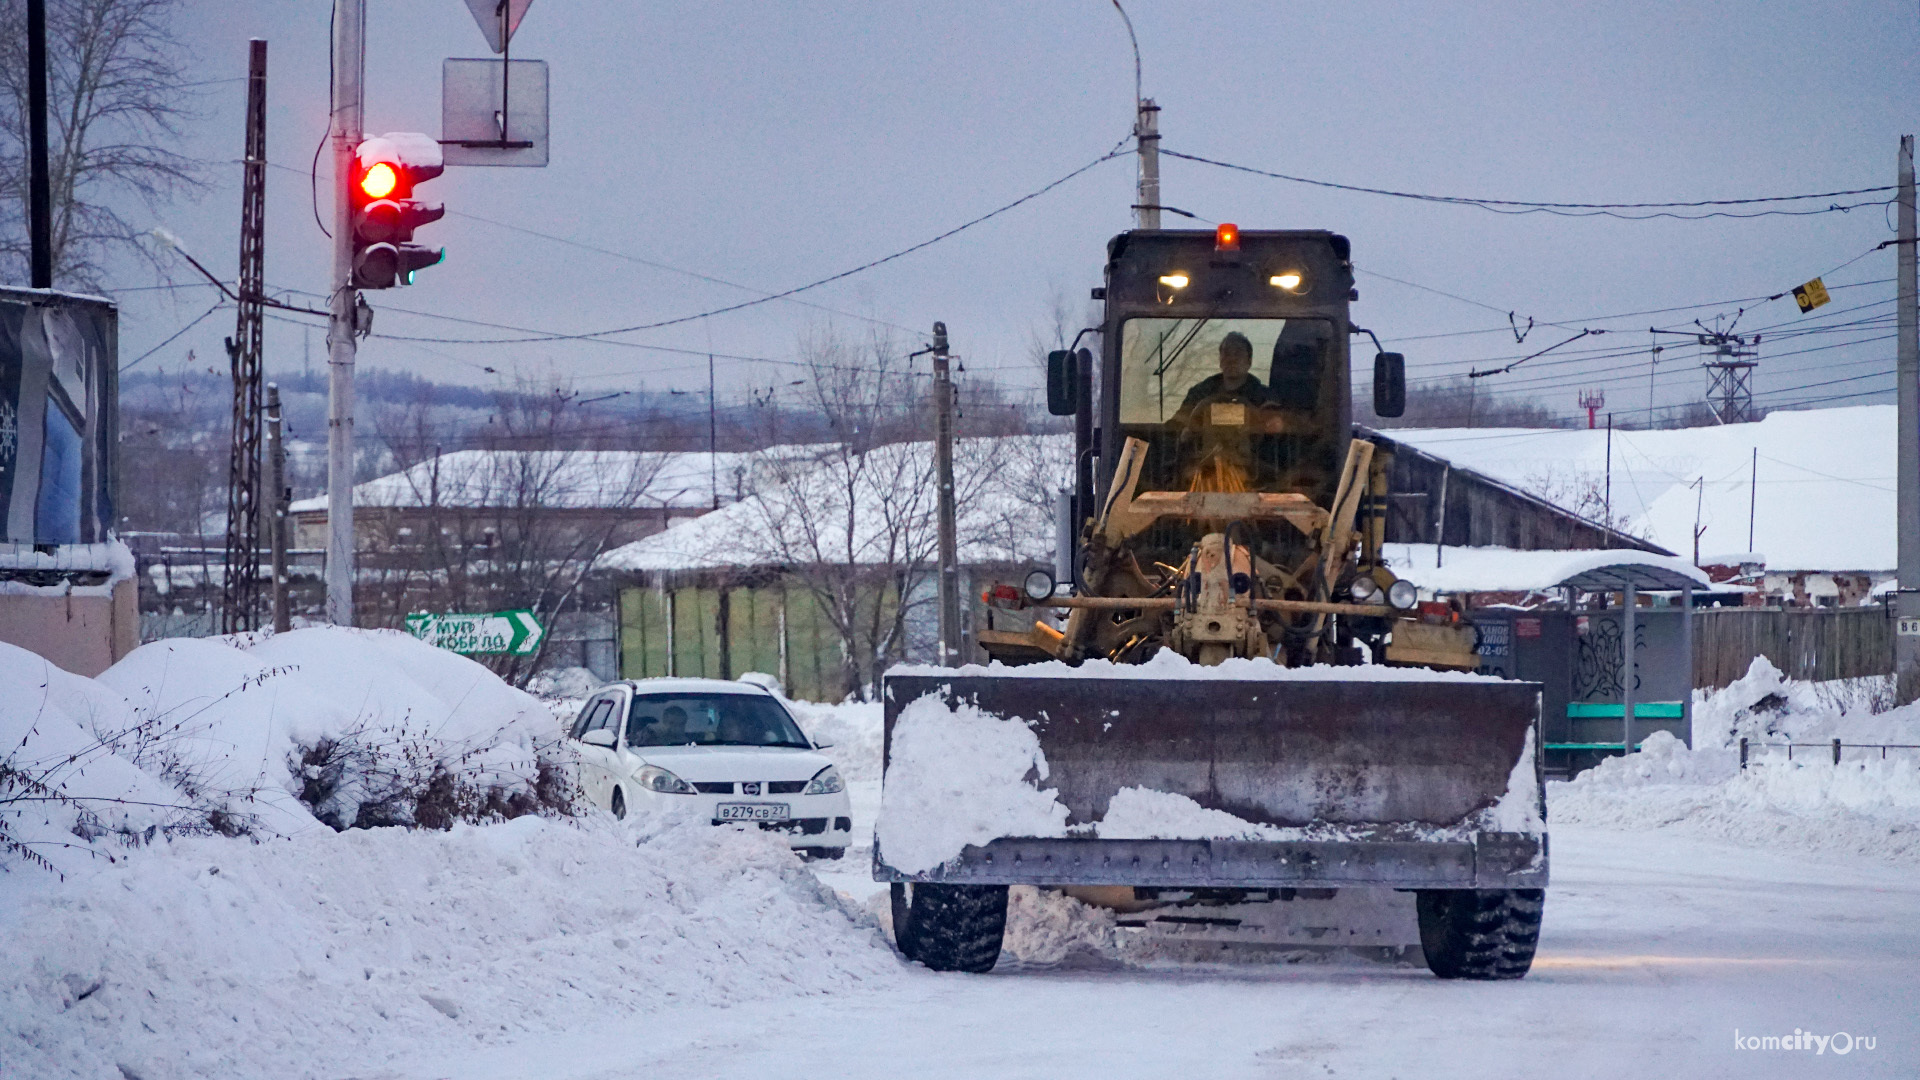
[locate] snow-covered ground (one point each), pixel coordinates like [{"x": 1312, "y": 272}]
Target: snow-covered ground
[{"x": 1691, "y": 904}]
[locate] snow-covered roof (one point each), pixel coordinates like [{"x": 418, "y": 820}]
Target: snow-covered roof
[
  {"x": 1823, "y": 500},
  {"x": 873, "y": 509},
  {"x": 1498, "y": 569},
  {"x": 566, "y": 479}
]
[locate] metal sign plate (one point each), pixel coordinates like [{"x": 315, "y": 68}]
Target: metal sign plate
[
  {"x": 1811, "y": 295},
  {"x": 516, "y": 632},
  {"x": 488, "y": 14},
  {"x": 493, "y": 112},
  {"x": 1909, "y": 627}
]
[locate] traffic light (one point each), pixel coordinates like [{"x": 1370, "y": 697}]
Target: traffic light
[{"x": 385, "y": 213}]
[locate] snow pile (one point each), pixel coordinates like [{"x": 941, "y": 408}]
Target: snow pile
[
  {"x": 1864, "y": 805},
  {"x": 1047, "y": 927},
  {"x": 852, "y": 733},
  {"x": 1167, "y": 664},
  {"x": 571, "y": 683},
  {"x": 365, "y": 952},
  {"x": 960, "y": 776},
  {"x": 274, "y": 734},
  {"x": 61, "y": 788}
]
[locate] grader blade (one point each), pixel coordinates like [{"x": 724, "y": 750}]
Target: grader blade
[{"x": 1383, "y": 779}]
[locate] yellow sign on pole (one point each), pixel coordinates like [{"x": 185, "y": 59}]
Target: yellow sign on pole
[{"x": 1811, "y": 295}]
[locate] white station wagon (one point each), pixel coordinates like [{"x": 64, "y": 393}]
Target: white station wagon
[{"x": 730, "y": 749}]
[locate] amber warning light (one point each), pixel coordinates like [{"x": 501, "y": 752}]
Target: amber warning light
[{"x": 1226, "y": 238}]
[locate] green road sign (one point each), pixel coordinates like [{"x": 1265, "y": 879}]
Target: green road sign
[{"x": 516, "y": 632}]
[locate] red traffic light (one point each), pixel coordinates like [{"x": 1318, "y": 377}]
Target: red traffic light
[
  {"x": 387, "y": 170},
  {"x": 379, "y": 180}
]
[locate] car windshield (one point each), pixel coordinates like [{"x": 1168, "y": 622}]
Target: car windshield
[{"x": 711, "y": 720}]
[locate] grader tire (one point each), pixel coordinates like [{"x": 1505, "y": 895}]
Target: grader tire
[
  {"x": 1480, "y": 933},
  {"x": 950, "y": 927}
]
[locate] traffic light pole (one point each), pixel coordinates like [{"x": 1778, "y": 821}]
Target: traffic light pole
[{"x": 349, "y": 61}]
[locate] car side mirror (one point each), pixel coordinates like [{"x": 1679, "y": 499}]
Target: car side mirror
[
  {"x": 1063, "y": 382},
  {"x": 599, "y": 737},
  {"x": 1389, "y": 384}
]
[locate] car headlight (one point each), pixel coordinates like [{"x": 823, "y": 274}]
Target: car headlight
[
  {"x": 1365, "y": 590},
  {"x": 655, "y": 778},
  {"x": 826, "y": 782},
  {"x": 1403, "y": 595}
]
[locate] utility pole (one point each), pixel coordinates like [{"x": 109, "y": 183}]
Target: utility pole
[
  {"x": 240, "y": 591},
  {"x": 1608, "y": 511},
  {"x": 1906, "y": 648},
  {"x": 943, "y": 463},
  {"x": 1146, "y": 134},
  {"x": 349, "y": 62},
  {"x": 1753, "y": 497},
  {"x": 713, "y": 437},
  {"x": 39, "y": 184},
  {"x": 277, "y": 503}
]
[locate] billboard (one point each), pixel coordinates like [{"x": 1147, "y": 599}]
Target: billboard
[{"x": 59, "y": 391}]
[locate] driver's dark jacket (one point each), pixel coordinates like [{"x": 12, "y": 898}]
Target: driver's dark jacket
[{"x": 1212, "y": 388}]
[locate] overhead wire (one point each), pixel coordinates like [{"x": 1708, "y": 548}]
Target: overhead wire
[{"x": 1567, "y": 209}]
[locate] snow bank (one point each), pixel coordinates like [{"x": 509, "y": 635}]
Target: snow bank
[
  {"x": 852, "y": 733},
  {"x": 272, "y": 734},
  {"x": 1167, "y": 664},
  {"x": 960, "y": 776},
  {"x": 333, "y": 954},
  {"x": 61, "y": 787},
  {"x": 1865, "y": 805}
]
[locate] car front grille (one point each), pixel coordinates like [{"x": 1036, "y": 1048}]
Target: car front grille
[
  {"x": 713, "y": 789},
  {"x": 786, "y": 787}
]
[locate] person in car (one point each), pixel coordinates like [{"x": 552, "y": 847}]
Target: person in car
[{"x": 670, "y": 729}]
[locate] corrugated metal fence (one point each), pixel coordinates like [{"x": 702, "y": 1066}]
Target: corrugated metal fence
[{"x": 1816, "y": 643}]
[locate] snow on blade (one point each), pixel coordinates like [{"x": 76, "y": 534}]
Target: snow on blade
[
  {"x": 1136, "y": 813},
  {"x": 1518, "y": 811},
  {"x": 959, "y": 776},
  {"x": 1167, "y": 664}
]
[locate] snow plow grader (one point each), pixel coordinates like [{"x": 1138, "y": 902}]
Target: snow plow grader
[{"x": 1234, "y": 724}]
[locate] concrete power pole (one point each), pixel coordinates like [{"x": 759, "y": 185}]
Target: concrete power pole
[
  {"x": 349, "y": 62},
  {"x": 943, "y": 463},
  {"x": 1906, "y": 649},
  {"x": 1146, "y": 133},
  {"x": 277, "y": 511}
]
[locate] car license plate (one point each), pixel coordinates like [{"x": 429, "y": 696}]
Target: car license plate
[{"x": 753, "y": 812}]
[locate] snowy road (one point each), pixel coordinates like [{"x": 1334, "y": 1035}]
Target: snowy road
[{"x": 1657, "y": 948}]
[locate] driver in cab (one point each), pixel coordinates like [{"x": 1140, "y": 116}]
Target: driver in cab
[{"x": 1233, "y": 398}]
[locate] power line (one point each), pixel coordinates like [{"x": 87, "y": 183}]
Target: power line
[
  {"x": 829, "y": 279},
  {"x": 1566, "y": 209},
  {"x": 174, "y": 336}
]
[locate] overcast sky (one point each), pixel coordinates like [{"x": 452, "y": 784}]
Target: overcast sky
[{"x": 772, "y": 143}]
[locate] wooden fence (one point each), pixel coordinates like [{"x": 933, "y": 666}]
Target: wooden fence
[{"x": 1811, "y": 644}]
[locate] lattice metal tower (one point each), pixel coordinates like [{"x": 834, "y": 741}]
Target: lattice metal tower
[
  {"x": 1730, "y": 375},
  {"x": 240, "y": 597},
  {"x": 1729, "y": 371}
]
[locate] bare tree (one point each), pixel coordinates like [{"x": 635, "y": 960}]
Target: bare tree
[
  {"x": 1459, "y": 403},
  {"x": 515, "y": 520},
  {"x": 117, "y": 95}
]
